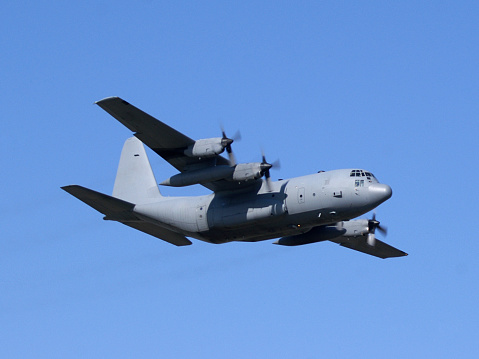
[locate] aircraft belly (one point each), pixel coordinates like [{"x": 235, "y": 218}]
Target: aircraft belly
[
  {"x": 248, "y": 233},
  {"x": 260, "y": 225}
]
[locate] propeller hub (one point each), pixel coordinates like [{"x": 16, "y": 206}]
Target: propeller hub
[
  {"x": 225, "y": 142},
  {"x": 265, "y": 166}
]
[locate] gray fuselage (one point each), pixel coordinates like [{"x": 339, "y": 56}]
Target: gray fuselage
[{"x": 290, "y": 207}]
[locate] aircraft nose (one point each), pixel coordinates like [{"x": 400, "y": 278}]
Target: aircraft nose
[{"x": 379, "y": 192}]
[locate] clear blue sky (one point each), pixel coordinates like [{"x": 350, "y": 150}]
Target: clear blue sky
[{"x": 387, "y": 86}]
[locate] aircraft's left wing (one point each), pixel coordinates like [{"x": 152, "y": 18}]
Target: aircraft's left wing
[
  {"x": 380, "y": 249},
  {"x": 358, "y": 243},
  {"x": 161, "y": 138}
]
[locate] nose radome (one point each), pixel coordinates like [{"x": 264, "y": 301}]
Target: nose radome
[{"x": 379, "y": 192}]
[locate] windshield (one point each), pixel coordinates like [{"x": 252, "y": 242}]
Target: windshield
[{"x": 362, "y": 173}]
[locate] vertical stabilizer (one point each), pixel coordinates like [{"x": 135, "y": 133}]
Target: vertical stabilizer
[{"x": 135, "y": 181}]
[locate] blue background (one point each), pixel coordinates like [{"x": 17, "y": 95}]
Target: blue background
[{"x": 391, "y": 87}]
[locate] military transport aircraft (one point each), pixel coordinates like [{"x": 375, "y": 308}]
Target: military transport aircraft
[{"x": 245, "y": 204}]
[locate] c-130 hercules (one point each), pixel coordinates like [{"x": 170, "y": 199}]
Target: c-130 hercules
[{"x": 246, "y": 205}]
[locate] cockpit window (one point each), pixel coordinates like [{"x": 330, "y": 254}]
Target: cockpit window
[{"x": 361, "y": 173}]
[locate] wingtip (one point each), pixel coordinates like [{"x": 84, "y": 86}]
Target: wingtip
[
  {"x": 70, "y": 188},
  {"x": 106, "y": 99}
]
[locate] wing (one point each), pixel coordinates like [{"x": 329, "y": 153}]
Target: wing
[
  {"x": 380, "y": 249},
  {"x": 121, "y": 211},
  {"x": 162, "y": 139},
  {"x": 359, "y": 243}
]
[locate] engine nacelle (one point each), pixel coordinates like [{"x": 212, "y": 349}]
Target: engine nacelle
[
  {"x": 247, "y": 171},
  {"x": 208, "y": 147},
  {"x": 199, "y": 176},
  {"x": 240, "y": 172},
  {"x": 354, "y": 228}
]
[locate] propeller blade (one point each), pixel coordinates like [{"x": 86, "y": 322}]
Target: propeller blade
[
  {"x": 383, "y": 230},
  {"x": 265, "y": 170},
  {"x": 276, "y": 164},
  {"x": 232, "y": 158},
  {"x": 374, "y": 224},
  {"x": 226, "y": 143},
  {"x": 237, "y": 136},
  {"x": 371, "y": 239},
  {"x": 268, "y": 184},
  {"x": 265, "y": 166}
]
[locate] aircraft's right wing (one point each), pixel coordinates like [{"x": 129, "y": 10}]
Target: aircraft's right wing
[
  {"x": 166, "y": 141},
  {"x": 161, "y": 138}
]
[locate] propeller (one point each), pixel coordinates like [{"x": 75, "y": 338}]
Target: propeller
[
  {"x": 374, "y": 224},
  {"x": 265, "y": 167},
  {"x": 226, "y": 143}
]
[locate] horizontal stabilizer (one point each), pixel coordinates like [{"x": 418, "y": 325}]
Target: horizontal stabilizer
[
  {"x": 160, "y": 232},
  {"x": 380, "y": 249},
  {"x": 109, "y": 206},
  {"x": 121, "y": 211}
]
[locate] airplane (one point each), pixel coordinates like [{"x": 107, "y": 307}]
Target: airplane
[{"x": 245, "y": 204}]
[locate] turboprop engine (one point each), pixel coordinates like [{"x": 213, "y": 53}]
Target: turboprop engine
[
  {"x": 208, "y": 147},
  {"x": 189, "y": 178},
  {"x": 211, "y": 147},
  {"x": 240, "y": 172},
  {"x": 249, "y": 171},
  {"x": 353, "y": 228}
]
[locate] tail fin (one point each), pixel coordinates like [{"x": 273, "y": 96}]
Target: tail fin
[{"x": 135, "y": 181}]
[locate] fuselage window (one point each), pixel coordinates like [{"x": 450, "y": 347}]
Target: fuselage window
[{"x": 359, "y": 183}]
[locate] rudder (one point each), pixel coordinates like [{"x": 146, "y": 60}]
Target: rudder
[{"x": 135, "y": 181}]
